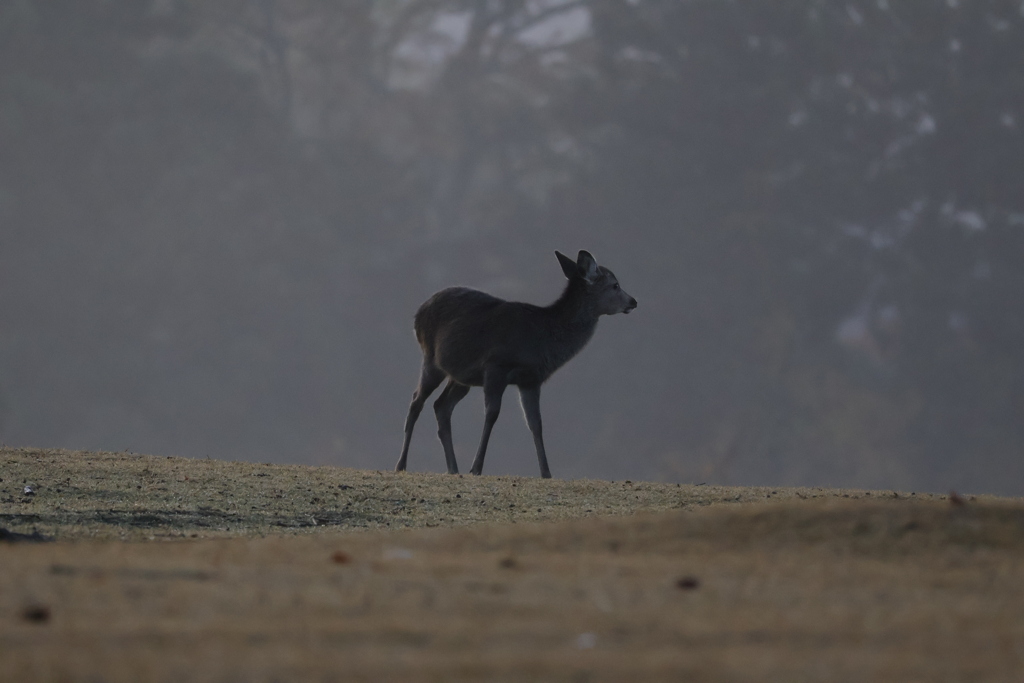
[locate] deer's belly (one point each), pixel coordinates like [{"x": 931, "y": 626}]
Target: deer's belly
[{"x": 519, "y": 376}]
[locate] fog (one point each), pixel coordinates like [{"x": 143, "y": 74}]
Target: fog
[{"x": 218, "y": 219}]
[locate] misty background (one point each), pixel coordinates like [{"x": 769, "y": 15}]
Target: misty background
[{"x": 218, "y": 218}]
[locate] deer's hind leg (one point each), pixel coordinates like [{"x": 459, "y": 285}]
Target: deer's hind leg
[
  {"x": 452, "y": 393},
  {"x": 430, "y": 377}
]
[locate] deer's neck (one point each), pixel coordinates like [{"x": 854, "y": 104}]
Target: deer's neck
[{"x": 575, "y": 316}]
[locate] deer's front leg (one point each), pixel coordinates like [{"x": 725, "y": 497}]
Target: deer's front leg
[
  {"x": 495, "y": 381},
  {"x": 530, "y": 398}
]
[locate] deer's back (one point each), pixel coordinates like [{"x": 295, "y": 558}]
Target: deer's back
[{"x": 462, "y": 329}]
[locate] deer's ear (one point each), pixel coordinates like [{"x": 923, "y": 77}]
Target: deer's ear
[
  {"x": 587, "y": 266},
  {"x": 569, "y": 266}
]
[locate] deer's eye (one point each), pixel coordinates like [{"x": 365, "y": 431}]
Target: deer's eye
[{"x": 615, "y": 286}]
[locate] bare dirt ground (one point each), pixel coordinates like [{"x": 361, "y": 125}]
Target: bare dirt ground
[{"x": 279, "y": 573}]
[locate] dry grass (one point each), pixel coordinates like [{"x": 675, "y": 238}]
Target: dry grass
[
  {"x": 80, "y": 494},
  {"x": 823, "y": 589}
]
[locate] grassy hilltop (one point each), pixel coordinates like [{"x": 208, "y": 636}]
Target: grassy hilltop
[{"x": 262, "y": 577}]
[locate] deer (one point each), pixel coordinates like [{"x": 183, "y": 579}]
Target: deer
[{"x": 474, "y": 339}]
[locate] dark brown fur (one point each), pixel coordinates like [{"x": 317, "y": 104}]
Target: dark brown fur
[{"x": 474, "y": 339}]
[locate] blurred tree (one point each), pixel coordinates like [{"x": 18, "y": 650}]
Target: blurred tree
[
  {"x": 219, "y": 217},
  {"x": 851, "y": 170}
]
